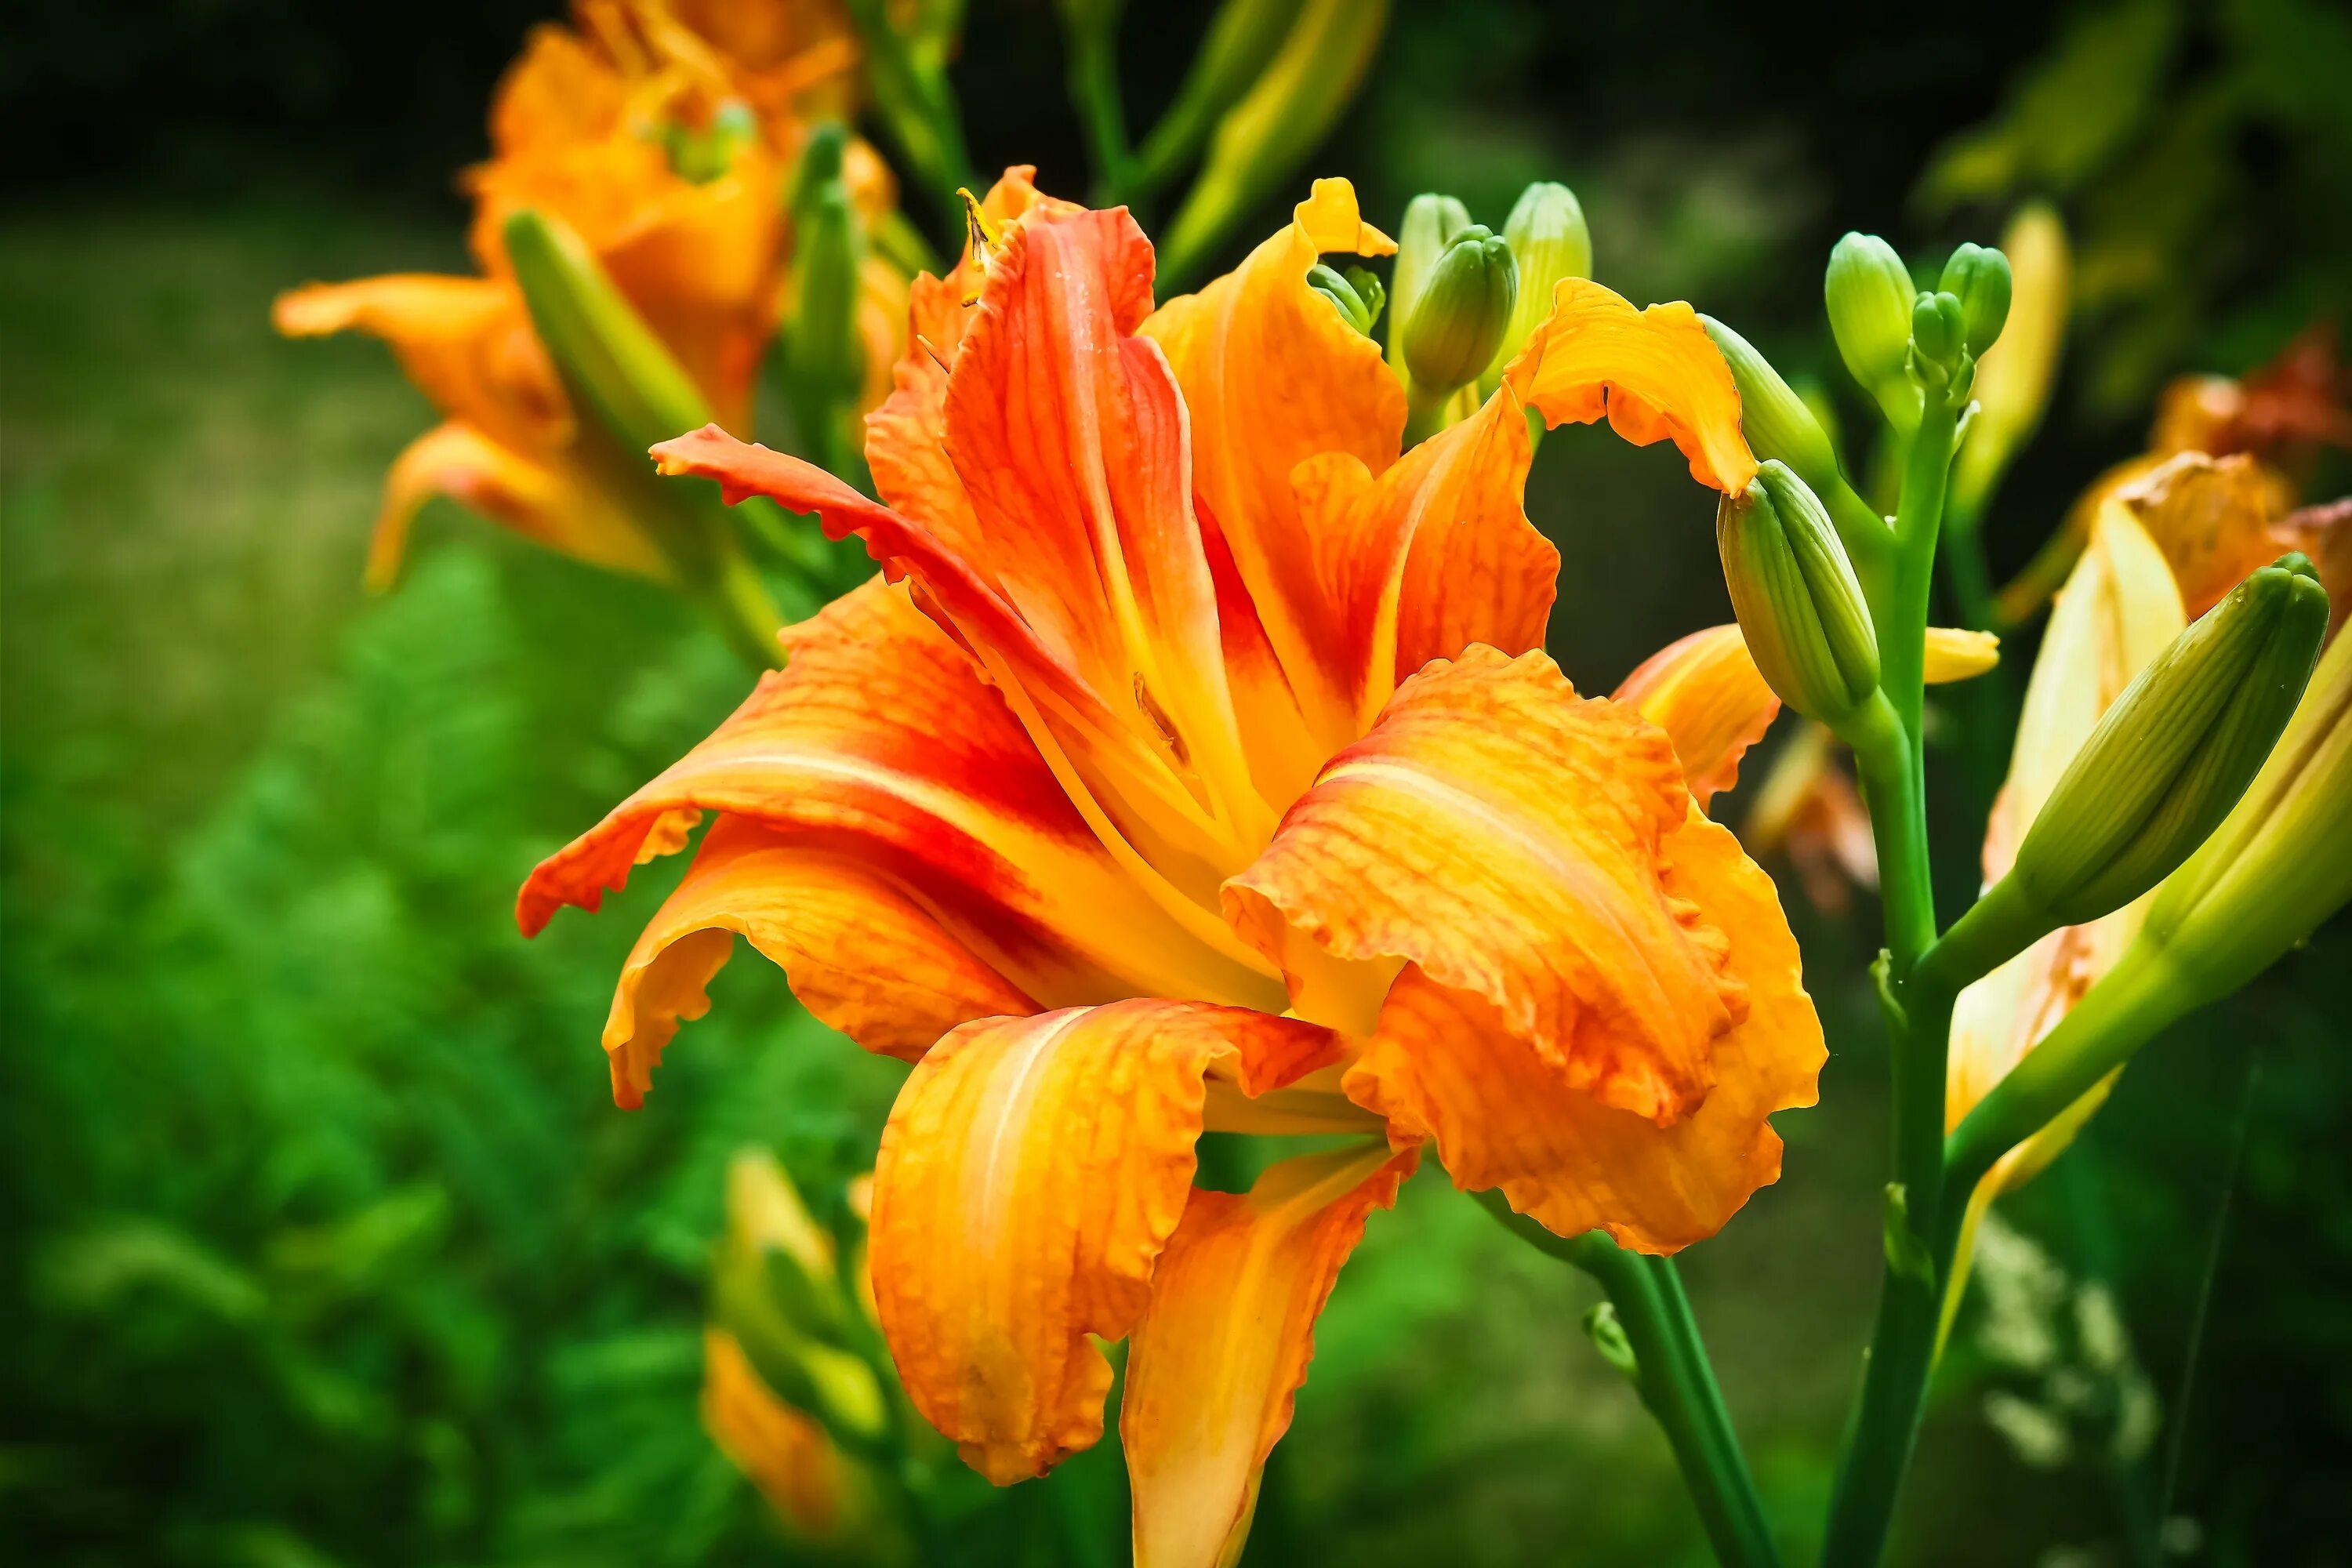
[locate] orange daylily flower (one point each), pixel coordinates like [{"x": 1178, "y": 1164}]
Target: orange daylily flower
[
  {"x": 597, "y": 127},
  {"x": 1193, "y": 765}
]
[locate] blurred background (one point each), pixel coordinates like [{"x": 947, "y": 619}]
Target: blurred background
[{"x": 320, "y": 1241}]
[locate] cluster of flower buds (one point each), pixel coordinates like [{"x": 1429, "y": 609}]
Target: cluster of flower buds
[
  {"x": 1463, "y": 300},
  {"x": 1903, "y": 344}
]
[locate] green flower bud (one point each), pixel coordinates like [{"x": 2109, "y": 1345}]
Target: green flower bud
[
  {"x": 1549, "y": 241},
  {"x": 618, "y": 371},
  {"x": 2261, "y": 883},
  {"x": 1461, "y": 312},
  {"x": 820, "y": 349},
  {"x": 2175, "y": 751},
  {"x": 1977, "y": 277},
  {"x": 1870, "y": 294},
  {"x": 1938, "y": 329},
  {"x": 1799, "y": 606},
  {"x": 2275, "y": 867},
  {"x": 1776, "y": 422},
  {"x": 1356, "y": 294},
  {"x": 1431, "y": 222}
]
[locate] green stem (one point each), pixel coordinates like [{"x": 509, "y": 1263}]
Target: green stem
[
  {"x": 739, "y": 604},
  {"x": 1889, "y": 755},
  {"x": 1675, "y": 1379},
  {"x": 1885, "y": 758}
]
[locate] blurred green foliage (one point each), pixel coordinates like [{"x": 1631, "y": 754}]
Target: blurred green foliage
[{"x": 323, "y": 1241}]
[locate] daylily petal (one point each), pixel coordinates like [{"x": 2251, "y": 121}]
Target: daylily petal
[
  {"x": 1091, "y": 534},
  {"x": 1705, "y": 691},
  {"x": 2324, "y": 533},
  {"x": 880, "y": 744},
  {"x": 1654, "y": 372},
  {"x": 2212, "y": 517},
  {"x": 540, "y": 502},
  {"x": 1272, "y": 377},
  {"x": 1502, "y": 837},
  {"x": 1067, "y": 723},
  {"x": 905, "y": 437},
  {"x": 1219, "y": 1357},
  {"x": 559, "y": 91},
  {"x": 1446, "y": 1066},
  {"x": 1031, "y": 1173},
  {"x": 1435, "y": 554},
  {"x": 863, "y": 951},
  {"x": 466, "y": 343},
  {"x": 1956, "y": 653},
  {"x": 1078, "y": 574}
]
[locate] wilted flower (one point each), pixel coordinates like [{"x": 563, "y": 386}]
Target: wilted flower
[{"x": 1194, "y": 766}]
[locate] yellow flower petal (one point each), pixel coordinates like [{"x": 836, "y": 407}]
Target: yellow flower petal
[
  {"x": 1271, "y": 377},
  {"x": 1446, "y": 1066},
  {"x": 880, "y": 747},
  {"x": 1032, "y": 1171},
  {"x": 1705, "y": 692},
  {"x": 542, "y": 502},
  {"x": 1502, "y": 838},
  {"x": 1654, "y": 373},
  {"x": 1219, "y": 1356}
]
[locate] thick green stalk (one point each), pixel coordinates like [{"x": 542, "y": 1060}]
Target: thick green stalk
[
  {"x": 1675, "y": 1379},
  {"x": 1902, "y": 1343},
  {"x": 1887, "y": 761}
]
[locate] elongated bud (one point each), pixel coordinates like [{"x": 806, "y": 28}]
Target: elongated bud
[
  {"x": 1776, "y": 422},
  {"x": 2261, "y": 883},
  {"x": 1431, "y": 222},
  {"x": 1356, "y": 294},
  {"x": 1550, "y": 240},
  {"x": 2276, "y": 867},
  {"x": 2175, "y": 751},
  {"x": 1462, "y": 311},
  {"x": 618, "y": 370},
  {"x": 1869, "y": 294},
  {"x": 1799, "y": 606},
  {"x": 1977, "y": 277},
  {"x": 821, "y": 350},
  {"x": 1285, "y": 114}
]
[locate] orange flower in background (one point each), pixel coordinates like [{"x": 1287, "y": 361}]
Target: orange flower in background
[
  {"x": 665, "y": 152},
  {"x": 1193, "y": 765},
  {"x": 2264, "y": 428}
]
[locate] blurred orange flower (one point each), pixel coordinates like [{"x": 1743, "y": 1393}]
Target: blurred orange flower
[
  {"x": 2263, "y": 430},
  {"x": 1194, "y": 764},
  {"x": 659, "y": 134}
]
